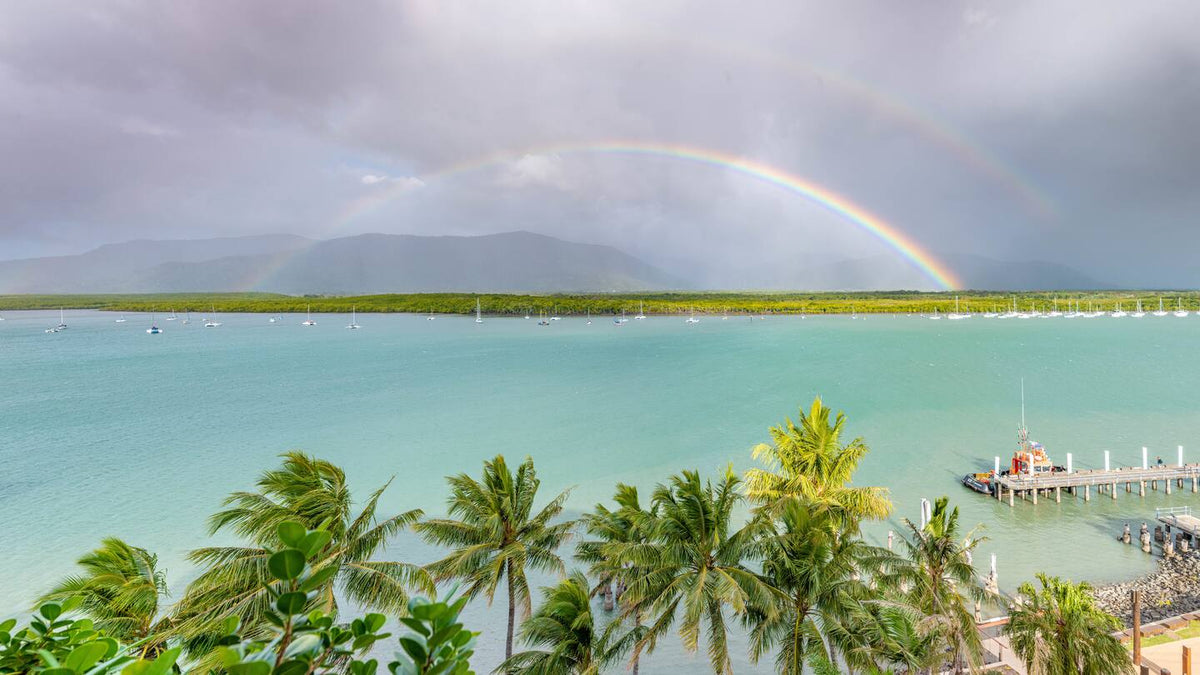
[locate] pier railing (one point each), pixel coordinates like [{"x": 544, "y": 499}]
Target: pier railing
[
  {"x": 1173, "y": 511},
  {"x": 1098, "y": 477}
]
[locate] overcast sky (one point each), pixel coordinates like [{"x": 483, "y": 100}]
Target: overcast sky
[{"x": 1059, "y": 131}]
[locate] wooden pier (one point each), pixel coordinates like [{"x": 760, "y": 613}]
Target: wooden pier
[
  {"x": 1181, "y": 519},
  {"x": 1104, "y": 481}
]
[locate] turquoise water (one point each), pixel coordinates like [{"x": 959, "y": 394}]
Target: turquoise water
[{"x": 105, "y": 430}]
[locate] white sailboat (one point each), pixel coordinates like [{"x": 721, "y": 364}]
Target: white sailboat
[
  {"x": 589, "y": 316},
  {"x": 1118, "y": 313},
  {"x": 957, "y": 315},
  {"x": 308, "y": 321},
  {"x": 478, "y": 312},
  {"x": 431, "y": 317},
  {"x": 211, "y": 322},
  {"x": 641, "y": 311},
  {"x": 187, "y": 316},
  {"x": 153, "y": 329},
  {"x": 555, "y": 317},
  {"x": 120, "y": 320},
  {"x": 173, "y": 316},
  {"x": 692, "y": 318},
  {"x": 1161, "y": 311},
  {"x": 621, "y": 319},
  {"x": 542, "y": 320},
  {"x": 353, "y": 319},
  {"x": 1055, "y": 313},
  {"x": 1179, "y": 310},
  {"x": 934, "y": 317},
  {"x": 62, "y": 322},
  {"x": 992, "y": 314},
  {"x": 1138, "y": 313}
]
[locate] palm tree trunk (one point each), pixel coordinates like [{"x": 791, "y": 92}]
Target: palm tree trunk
[{"x": 512, "y": 611}]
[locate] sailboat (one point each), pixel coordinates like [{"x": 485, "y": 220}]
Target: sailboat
[
  {"x": 589, "y": 316},
  {"x": 353, "y": 319},
  {"x": 692, "y": 318},
  {"x": 431, "y": 317},
  {"x": 1118, "y": 313},
  {"x": 187, "y": 316},
  {"x": 527, "y": 314},
  {"x": 1138, "y": 313},
  {"x": 173, "y": 315},
  {"x": 936, "y": 316},
  {"x": 1179, "y": 310},
  {"x": 1161, "y": 311},
  {"x": 212, "y": 322},
  {"x": 957, "y": 315},
  {"x": 542, "y": 320},
  {"x": 62, "y": 322},
  {"x": 153, "y": 329},
  {"x": 992, "y": 314},
  {"x": 120, "y": 320},
  {"x": 620, "y": 319},
  {"x": 641, "y": 311},
  {"x": 309, "y": 320},
  {"x": 1055, "y": 313},
  {"x": 555, "y": 317},
  {"x": 725, "y": 316},
  {"x": 478, "y": 312}
]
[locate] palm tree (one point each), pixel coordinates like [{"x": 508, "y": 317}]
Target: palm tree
[
  {"x": 121, "y": 589},
  {"x": 625, "y": 532},
  {"x": 564, "y": 625},
  {"x": 694, "y": 566},
  {"x": 495, "y": 537},
  {"x": 813, "y": 572},
  {"x": 314, "y": 493},
  {"x": 810, "y": 461},
  {"x": 1059, "y": 630},
  {"x": 936, "y": 578}
]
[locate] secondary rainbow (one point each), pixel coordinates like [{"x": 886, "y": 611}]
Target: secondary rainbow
[{"x": 891, "y": 236}]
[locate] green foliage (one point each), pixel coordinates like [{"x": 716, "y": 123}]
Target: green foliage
[
  {"x": 497, "y": 535},
  {"x": 306, "y": 504},
  {"x": 120, "y": 588},
  {"x": 810, "y": 461},
  {"x": 300, "y": 639},
  {"x": 693, "y": 568},
  {"x": 1057, "y": 629},
  {"x": 572, "y": 643},
  {"x": 900, "y": 302},
  {"x": 934, "y": 576},
  {"x": 437, "y": 643},
  {"x": 54, "y": 644}
]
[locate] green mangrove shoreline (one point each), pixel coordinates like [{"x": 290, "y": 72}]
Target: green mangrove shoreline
[{"x": 656, "y": 303}]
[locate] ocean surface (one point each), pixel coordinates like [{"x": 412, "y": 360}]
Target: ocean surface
[{"x": 105, "y": 430}]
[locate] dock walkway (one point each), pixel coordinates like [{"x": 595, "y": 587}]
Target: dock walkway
[{"x": 1104, "y": 481}]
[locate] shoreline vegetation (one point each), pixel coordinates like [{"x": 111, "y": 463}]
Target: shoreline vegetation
[
  {"x": 777, "y": 551},
  {"x": 654, "y": 303}
]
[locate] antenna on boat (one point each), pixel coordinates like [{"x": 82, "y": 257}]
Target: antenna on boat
[{"x": 1022, "y": 403}]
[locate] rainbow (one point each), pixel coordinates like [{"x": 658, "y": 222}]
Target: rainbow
[{"x": 888, "y": 234}]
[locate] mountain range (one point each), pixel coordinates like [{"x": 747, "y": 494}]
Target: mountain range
[{"x": 519, "y": 262}]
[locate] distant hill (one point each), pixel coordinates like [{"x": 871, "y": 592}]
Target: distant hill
[
  {"x": 120, "y": 268},
  {"x": 369, "y": 263},
  {"x": 892, "y": 272}
]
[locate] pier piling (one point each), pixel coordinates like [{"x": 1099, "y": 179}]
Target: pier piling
[
  {"x": 1113, "y": 490},
  {"x": 1057, "y": 495},
  {"x": 1087, "y": 493}
]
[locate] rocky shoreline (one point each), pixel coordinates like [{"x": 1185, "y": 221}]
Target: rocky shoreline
[{"x": 1171, "y": 590}]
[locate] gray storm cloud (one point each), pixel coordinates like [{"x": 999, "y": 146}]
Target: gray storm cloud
[{"x": 1058, "y": 131}]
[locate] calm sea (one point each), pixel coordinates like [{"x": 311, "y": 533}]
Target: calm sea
[{"x": 105, "y": 430}]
